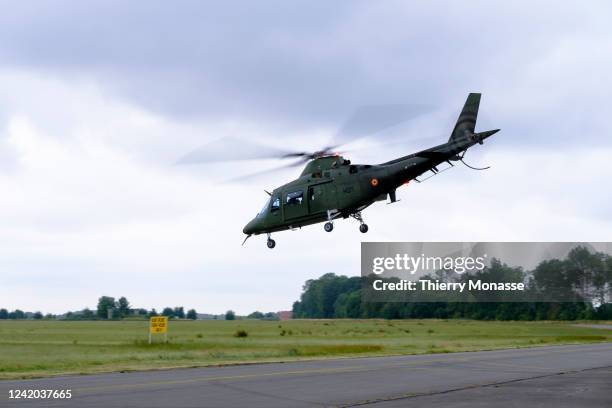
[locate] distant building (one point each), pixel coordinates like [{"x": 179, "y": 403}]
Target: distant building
[
  {"x": 209, "y": 316},
  {"x": 285, "y": 315}
]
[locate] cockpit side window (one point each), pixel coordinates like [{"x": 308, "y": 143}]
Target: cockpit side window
[
  {"x": 295, "y": 198},
  {"x": 275, "y": 204}
]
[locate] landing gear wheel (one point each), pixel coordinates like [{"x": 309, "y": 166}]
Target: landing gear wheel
[
  {"x": 271, "y": 243},
  {"x": 328, "y": 227},
  {"x": 363, "y": 227}
]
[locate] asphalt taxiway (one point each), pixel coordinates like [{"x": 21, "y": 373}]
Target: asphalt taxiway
[{"x": 557, "y": 376}]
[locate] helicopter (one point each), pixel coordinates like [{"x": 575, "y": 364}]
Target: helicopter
[{"x": 330, "y": 187}]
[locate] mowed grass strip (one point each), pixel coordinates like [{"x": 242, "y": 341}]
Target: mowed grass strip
[{"x": 42, "y": 348}]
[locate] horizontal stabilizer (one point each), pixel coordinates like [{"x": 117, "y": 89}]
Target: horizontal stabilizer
[{"x": 483, "y": 135}]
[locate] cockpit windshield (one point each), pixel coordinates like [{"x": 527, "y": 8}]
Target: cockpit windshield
[{"x": 265, "y": 207}]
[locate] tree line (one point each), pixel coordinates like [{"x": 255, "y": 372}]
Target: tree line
[
  {"x": 585, "y": 276},
  {"x": 107, "y": 308},
  {"x": 20, "y": 314}
]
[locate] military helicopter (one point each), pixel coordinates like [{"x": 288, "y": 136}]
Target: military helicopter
[{"x": 331, "y": 187}]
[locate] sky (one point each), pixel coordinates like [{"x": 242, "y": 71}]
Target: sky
[{"x": 100, "y": 99}]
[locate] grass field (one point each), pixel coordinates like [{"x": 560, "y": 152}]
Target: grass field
[{"x": 42, "y": 348}]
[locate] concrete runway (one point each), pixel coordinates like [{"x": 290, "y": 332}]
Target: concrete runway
[{"x": 558, "y": 376}]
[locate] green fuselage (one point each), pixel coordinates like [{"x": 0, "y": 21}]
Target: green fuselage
[{"x": 331, "y": 187}]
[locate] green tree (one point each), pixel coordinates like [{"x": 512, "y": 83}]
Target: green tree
[
  {"x": 192, "y": 314},
  {"x": 179, "y": 312},
  {"x": 550, "y": 277},
  {"x": 37, "y": 315},
  {"x": 153, "y": 313},
  {"x": 17, "y": 314},
  {"x": 104, "y": 304},
  {"x": 4, "y": 314},
  {"x": 168, "y": 311},
  {"x": 348, "y": 305},
  {"x": 319, "y": 296},
  {"x": 230, "y": 315},
  {"x": 123, "y": 306},
  {"x": 256, "y": 315},
  {"x": 604, "y": 312}
]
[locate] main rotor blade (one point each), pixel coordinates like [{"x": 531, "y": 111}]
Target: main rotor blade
[
  {"x": 365, "y": 121},
  {"x": 232, "y": 149},
  {"x": 371, "y": 119},
  {"x": 247, "y": 177}
]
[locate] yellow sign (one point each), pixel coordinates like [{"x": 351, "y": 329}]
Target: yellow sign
[{"x": 159, "y": 324}]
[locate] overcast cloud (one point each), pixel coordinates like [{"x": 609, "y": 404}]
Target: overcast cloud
[{"x": 99, "y": 100}]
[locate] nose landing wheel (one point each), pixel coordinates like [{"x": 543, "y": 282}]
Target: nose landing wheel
[
  {"x": 363, "y": 228},
  {"x": 271, "y": 243},
  {"x": 329, "y": 227}
]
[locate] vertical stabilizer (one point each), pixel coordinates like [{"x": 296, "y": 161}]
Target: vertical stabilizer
[{"x": 466, "y": 123}]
